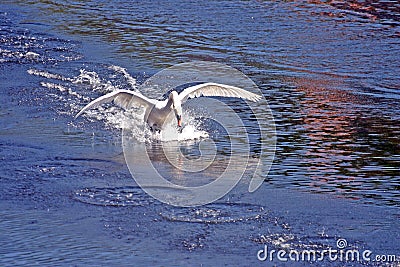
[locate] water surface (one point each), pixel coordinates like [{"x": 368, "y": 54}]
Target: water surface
[{"x": 328, "y": 69}]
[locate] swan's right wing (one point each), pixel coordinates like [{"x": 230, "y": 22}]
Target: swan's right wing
[
  {"x": 123, "y": 98},
  {"x": 217, "y": 89}
]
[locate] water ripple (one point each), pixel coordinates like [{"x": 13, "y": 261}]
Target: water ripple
[{"x": 215, "y": 213}]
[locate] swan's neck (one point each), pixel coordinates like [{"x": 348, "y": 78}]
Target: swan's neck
[
  {"x": 170, "y": 101},
  {"x": 167, "y": 105},
  {"x": 173, "y": 99}
]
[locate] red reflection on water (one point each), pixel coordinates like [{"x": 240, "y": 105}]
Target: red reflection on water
[{"x": 328, "y": 125}]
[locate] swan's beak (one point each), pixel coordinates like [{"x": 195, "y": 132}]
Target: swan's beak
[{"x": 179, "y": 118}]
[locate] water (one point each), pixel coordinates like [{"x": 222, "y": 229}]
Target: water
[{"x": 328, "y": 69}]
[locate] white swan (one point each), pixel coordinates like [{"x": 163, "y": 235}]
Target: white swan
[{"x": 156, "y": 112}]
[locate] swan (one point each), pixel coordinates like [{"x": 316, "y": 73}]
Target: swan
[{"x": 156, "y": 111}]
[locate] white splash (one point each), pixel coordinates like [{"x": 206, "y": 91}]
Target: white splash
[
  {"x": 61, "y": 88},
  {"x": 48, "y": 75},
  {"x": 131, "y": 120},
  {"x": 92, "y": 79},
  {"x": 131, "y": 81},
  {"x": 189, "y": 131},
  {"x": 32, "y": 55}
]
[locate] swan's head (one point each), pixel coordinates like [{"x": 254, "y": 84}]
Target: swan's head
[{"x": 176, "y": 106}]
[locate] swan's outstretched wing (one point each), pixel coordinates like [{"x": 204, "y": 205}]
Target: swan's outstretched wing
[
  {"x": 216, "y": 89},
  {"x": 123, "y": 98}
]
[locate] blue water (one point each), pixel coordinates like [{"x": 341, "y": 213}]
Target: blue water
[{"x": 329, "y": 71}]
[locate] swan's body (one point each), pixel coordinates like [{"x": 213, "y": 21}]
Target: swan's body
[{"x": 156, "y": 112}]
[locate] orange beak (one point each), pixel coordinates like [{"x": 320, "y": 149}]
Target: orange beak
[{"x": 179, "y": 118}]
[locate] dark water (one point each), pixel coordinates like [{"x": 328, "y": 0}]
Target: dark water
[{"x": 328, "y": 69}]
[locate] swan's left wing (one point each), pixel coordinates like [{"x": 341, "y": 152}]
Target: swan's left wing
[
  {"x": 216, "y": 89},
  {"x": 123, "y": 98}
]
